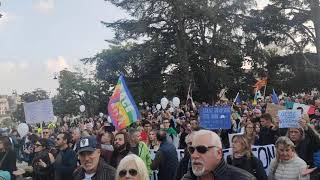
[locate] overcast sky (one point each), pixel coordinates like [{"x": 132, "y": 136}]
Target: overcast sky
[{"x": 41, "y": 37}]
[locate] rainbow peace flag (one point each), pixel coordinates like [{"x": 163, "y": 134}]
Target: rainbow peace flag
[{"x": 121, "y": 108}]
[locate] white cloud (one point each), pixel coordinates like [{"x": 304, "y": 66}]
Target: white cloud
[
  {"x": 45, "y": 6},
  {"x": 10, "y": 66},
  {"x": 57, "y": 65}
]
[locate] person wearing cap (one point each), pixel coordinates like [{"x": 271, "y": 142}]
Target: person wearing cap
[{"x": 92, "y": 166}]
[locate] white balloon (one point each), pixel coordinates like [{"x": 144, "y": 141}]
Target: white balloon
[
  {"x": 145, "y": 103},
  {"x": 82, "y": 108},
  {"x": 23, "y": 129},
  {"x": 158, "y": 107},
  {"x": 109, "y": 119},
  {"x": 101, "y": 114},
  {"x": 164, "y": 102},
  {"x": 141, "y": 104},
  {"x": 176, "y": 101},
  {"x": 54, "y": 119}
]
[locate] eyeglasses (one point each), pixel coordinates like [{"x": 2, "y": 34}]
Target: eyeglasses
[
  {"x": 200, "y": 149},
  {"x": 166, "y": 122},
  {"x": 132, "y": 172},
  {"x": 45, "y": 132}
]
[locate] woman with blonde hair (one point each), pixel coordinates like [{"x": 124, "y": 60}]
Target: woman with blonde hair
[
  {"x": 243, "y": 158},
  {"x": 132, "y": 167},
  {"x": 287, "y": 165}
]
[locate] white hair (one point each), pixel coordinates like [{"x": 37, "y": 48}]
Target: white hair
[
  {"x": 141, "y": 167},
  {"x": 214, "y": 138}
]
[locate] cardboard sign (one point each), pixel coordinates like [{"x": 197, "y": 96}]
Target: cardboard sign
[
  {"x": 38, "y": 111},
  {"x": 273, "y": 109},
  {"x": 215, "y": 117},
  {"x": 289, "y": 118}
]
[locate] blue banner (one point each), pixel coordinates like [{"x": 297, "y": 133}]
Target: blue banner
[{"x": 215, "y": 117}]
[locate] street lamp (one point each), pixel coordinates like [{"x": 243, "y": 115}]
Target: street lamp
[{"x": 0, "y": 14}]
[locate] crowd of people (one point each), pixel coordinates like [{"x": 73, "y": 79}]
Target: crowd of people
[{"x": 92, "y": 149}]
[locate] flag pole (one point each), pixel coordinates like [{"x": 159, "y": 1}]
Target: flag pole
[{"x": 264, "y": 92}]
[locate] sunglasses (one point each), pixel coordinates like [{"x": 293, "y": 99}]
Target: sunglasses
[
  {"x": 45, "y": 132},
  {"x": 132, "y": 172},
  {"x": 200, "y": 149}
]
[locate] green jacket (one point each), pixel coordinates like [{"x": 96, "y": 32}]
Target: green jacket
[{"x": 144, "y": 154}]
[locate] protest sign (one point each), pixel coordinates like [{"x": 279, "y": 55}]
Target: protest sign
[
  {"x": 38, "y": 111},
  {"x": 305, "y": 108},
  {"x": 289, "y": 118},
  {"x": 264, "y": 153},
  {"x": 273, "y": 109},
  {"x": 215, "y": 117}
]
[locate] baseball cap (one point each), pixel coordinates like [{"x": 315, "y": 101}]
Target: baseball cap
[{"x": 89, "y": 143}]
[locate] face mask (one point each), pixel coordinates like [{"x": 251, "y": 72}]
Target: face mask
[{"x": 107, "y": 147}]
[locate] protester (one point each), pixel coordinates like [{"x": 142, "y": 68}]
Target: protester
[
  {"x": 132, "y": 167},
  {"x": 106, "y": 140},
  {"x": 121, "y": 148},
  {"x": 172, "y": 135},
  {"x": 92, "y": 166},
  {"x": 46, "y": 134},
  {"x": 287, "y": 165},
  {"x": 242, "y": 157},
  {"x": 185, "y": 161},
  {"x": 7, "y": 156},
  {"x": 140, "y": 149},
  {"x": 269, "y": 132},
  {"x": 153, "y": 143},
  {"x": 166, "y": 160},
  {"x": 66, "y": 160},
  {"x": 76, "y": 135},
  {"x": 207, "y": 160},
  {"x": 250, "y": 134},
  {"x": 145, "y": 132},
  {"x": 42, "y": 162}
]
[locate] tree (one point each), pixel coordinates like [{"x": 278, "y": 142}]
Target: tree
[
  {"x": 290, "y": 24},
  {"x": 75, "y": 90},
  {"x": 181, "y": 43}
]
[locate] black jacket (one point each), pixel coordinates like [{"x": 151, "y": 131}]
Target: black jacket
[
  {"x": 39, "y": 172},
  {"x": 309, "y": 144},
  {"x": 224, "y": 172},
  {"x": 268, "y": 136},
  {"x": 252, "y": 165},
  {"x": 166, "y": 161},
  {"x": 104, "y": 172},
  {"x": 68, "y": 163}
]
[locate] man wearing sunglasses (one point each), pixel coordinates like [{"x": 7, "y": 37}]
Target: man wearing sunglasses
[
  {"x": 92, "y": 166},
  {"x": 207, "y": 160}
]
